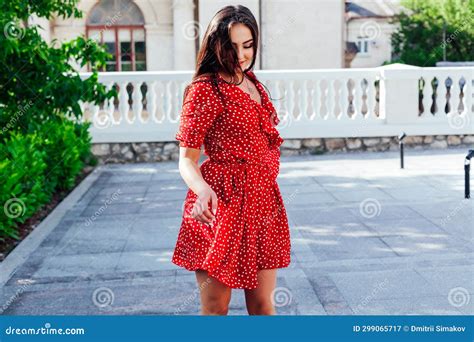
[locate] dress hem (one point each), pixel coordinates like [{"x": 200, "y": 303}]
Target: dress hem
[{"x": 188, "y": 267}]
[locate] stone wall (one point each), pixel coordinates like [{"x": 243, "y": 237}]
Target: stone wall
[{"x": 162, "y": 151}]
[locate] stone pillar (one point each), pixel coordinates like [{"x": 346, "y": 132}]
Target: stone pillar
[
  {"x": 185, "y": 34},
  {"x": 159, "y": 47},
  {"x": 399, "y": 93}
]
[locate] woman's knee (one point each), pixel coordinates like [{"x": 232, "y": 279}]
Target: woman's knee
[
  {"x": 215, "y": 296},
  {"x": 260, "y": 308},
  {"x": 215, "y": 307}
]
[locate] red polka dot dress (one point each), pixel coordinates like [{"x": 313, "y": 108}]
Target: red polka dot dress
[{"x": 250, "y": 231}]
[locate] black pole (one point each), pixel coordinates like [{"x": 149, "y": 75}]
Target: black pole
[
  {"x": 400, "y": 141},
  {"x": 401, "y": 155},
  {"x": 467, "y": 169}
]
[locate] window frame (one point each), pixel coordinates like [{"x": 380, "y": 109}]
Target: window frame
[
  {"x": 116, "y": 28},
  {"x": 363, "y": 42}
]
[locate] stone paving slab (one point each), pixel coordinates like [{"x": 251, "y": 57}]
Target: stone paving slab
[{"x": 367, "y": 238}]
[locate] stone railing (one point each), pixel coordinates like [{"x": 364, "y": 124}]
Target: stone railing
[{"x": 320, "y": 110}]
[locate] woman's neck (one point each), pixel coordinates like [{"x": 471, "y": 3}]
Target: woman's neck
[{"x": 239, "y": 74}]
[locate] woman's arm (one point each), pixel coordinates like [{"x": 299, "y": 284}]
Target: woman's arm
[
  {"x": 189, "y": 168},
  {"x": 200, "y": 108},
  {"x": 192, "y": 176}
]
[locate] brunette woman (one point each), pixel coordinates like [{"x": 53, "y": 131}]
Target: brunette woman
[{"x": 234, "y": 232}]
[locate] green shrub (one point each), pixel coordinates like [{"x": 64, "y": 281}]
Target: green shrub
[
  {"x": 67, "y": 145},
  {"x": 41, "y": 149},
  {"x": 34, "y": 166},
  {"x": 22, "y": 182}
]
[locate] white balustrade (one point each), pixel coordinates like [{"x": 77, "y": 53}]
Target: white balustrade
[{"x": 312, "y": 103}]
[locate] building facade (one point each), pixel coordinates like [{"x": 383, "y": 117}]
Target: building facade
[
  {"x": 369, "y": 29},
  {"x": 160, "y": 35}
]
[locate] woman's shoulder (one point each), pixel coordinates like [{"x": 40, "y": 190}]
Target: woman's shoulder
[
  {"x": 201, "y": 88},
  {"x": 207, "y": 74},
  {"x": 203, "y": 81},
  {"x": 207, "y": 77}
]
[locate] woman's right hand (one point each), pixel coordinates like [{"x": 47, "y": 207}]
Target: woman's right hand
[{"x": 201, "y": 210}]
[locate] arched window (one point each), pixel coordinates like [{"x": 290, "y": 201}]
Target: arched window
[{"x": 119, "y": 24}]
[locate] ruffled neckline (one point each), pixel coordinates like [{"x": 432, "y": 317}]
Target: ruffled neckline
[{"x": 267, "y": 114}]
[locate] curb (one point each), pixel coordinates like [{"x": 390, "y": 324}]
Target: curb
[{"x": 23, "y": 250}]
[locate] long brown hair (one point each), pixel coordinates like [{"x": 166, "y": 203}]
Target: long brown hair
[{"x": 217, "y": 52}]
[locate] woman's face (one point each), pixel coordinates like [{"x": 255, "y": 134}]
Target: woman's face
[{"x": 242, "y": 41}]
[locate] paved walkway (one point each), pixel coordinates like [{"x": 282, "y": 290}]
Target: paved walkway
[{"x": 367, "y": 238}]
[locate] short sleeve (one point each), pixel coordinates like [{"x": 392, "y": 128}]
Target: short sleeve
[{"x": 200, "y": 108}]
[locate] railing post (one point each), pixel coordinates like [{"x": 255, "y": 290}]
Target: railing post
[{"x": 399, "y": 94}]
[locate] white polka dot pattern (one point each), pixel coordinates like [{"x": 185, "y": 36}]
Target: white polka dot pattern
[{"x": 251, "y": 230}]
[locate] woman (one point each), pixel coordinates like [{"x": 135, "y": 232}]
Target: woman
[{"x": 234, "y": 231}]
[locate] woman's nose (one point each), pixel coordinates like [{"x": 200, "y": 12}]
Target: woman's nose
[{"x": 240, "y": 54}]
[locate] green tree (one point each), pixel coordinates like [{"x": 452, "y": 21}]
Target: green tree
[
  {"x": 38, "y": 81},
  {"x": 420, "y": 39},
  {"x": 43, "y": 147}
]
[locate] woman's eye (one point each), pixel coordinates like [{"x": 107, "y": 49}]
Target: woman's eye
[{"x": 248, "y": 47}]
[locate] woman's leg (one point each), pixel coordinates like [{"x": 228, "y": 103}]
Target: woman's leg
[
  {"x": 215, "y": 296},
  {"x": 259, "y": 301}
]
